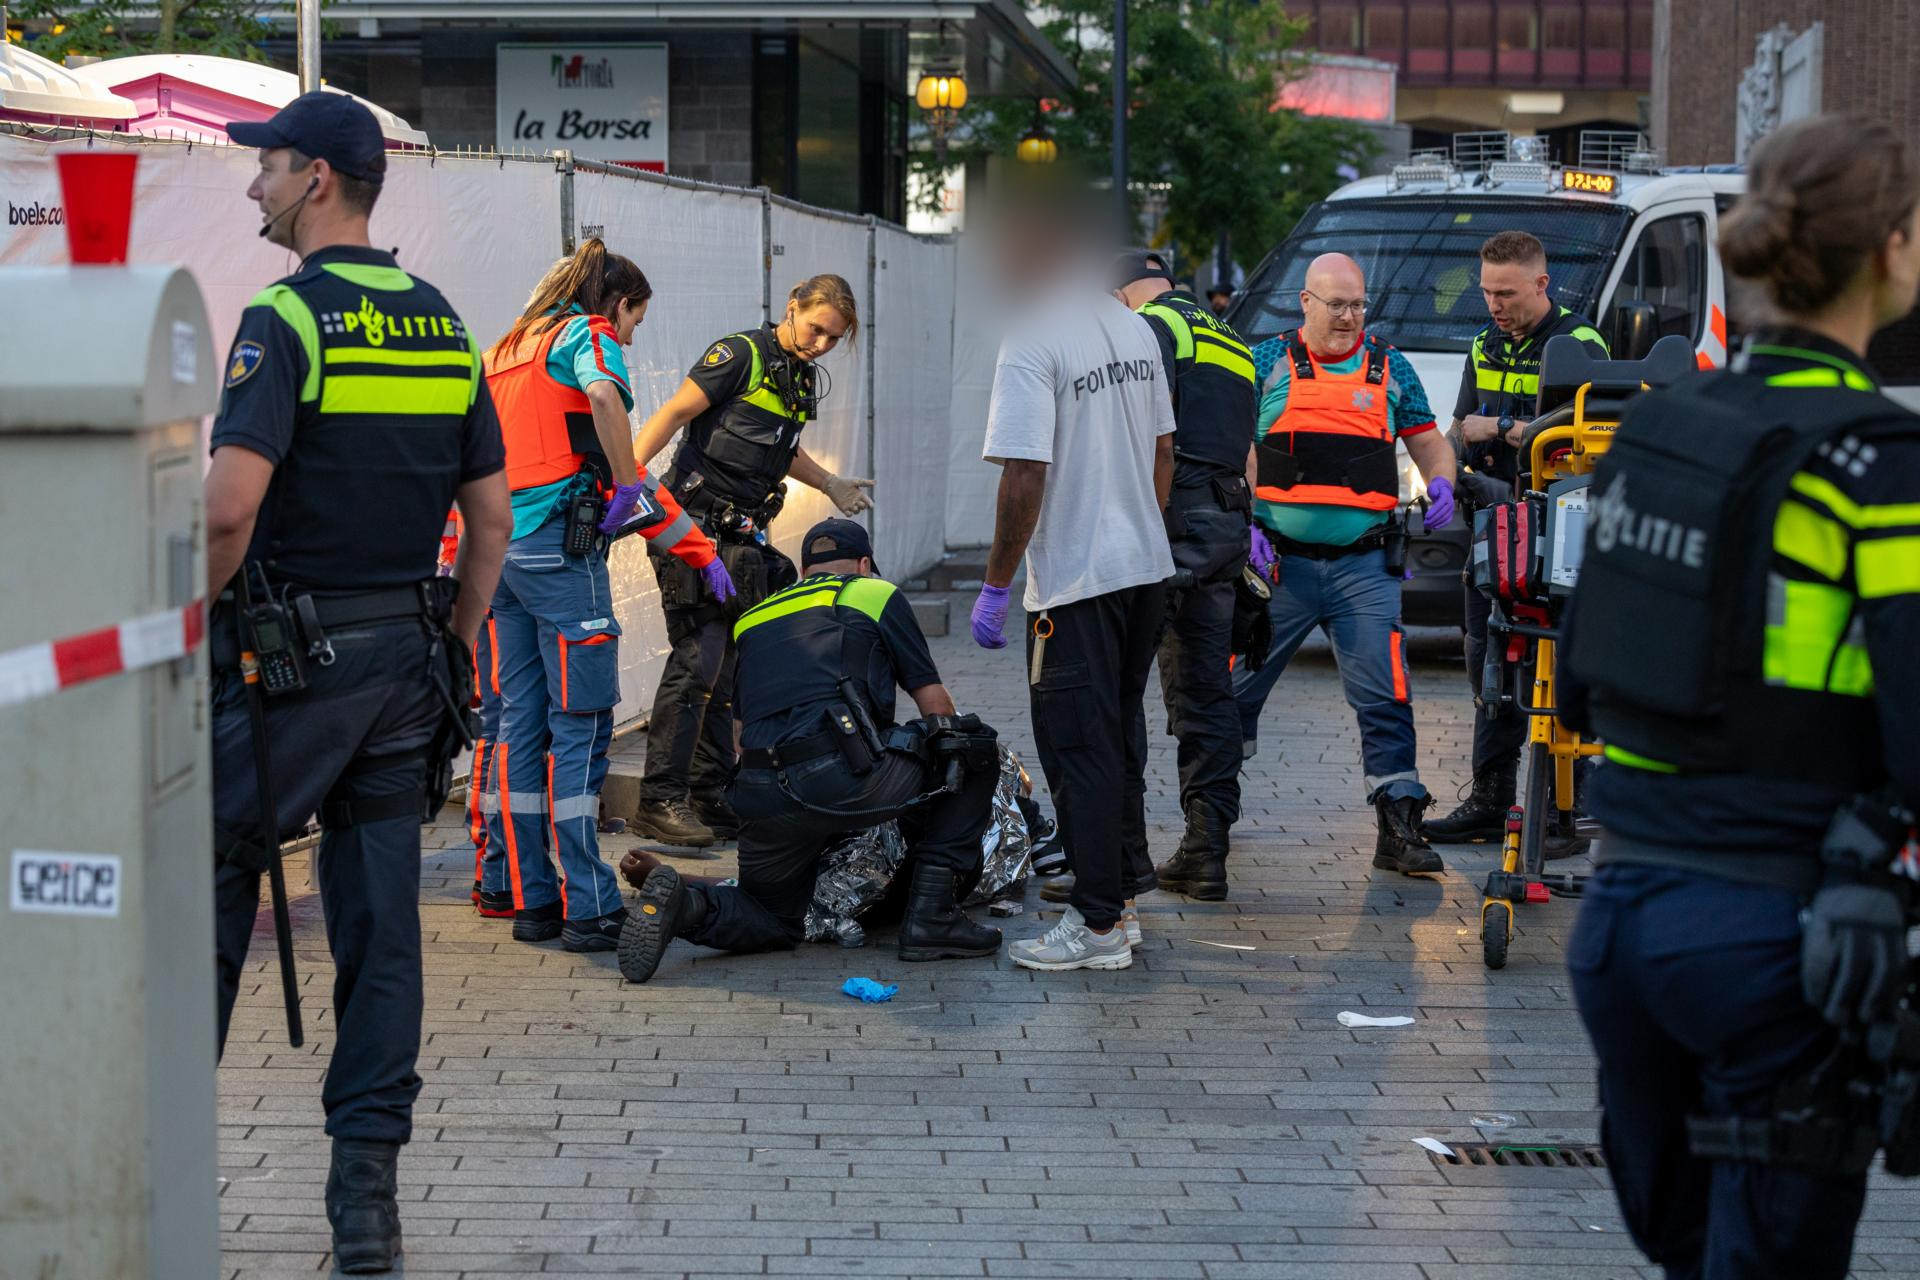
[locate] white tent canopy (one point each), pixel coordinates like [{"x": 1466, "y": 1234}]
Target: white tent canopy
[
  {"x": 31, "y": 85},
  {"x": 198, "y": 93}
]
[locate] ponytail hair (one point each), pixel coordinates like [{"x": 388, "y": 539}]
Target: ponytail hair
[
  {"x": 829, "y": 291},
  {"x": 592, "y": 278}
]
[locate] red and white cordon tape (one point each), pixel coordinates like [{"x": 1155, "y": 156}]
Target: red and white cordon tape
[{"x": 42, "y": 669}]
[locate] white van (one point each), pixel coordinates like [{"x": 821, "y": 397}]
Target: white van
[{"x": 1629, "y": 245}]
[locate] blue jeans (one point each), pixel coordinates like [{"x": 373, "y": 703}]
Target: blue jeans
[
  {"x": 1358, "y": 606},
  {"x": 557, "y": 646}
]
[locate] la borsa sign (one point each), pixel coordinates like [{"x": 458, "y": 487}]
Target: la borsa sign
[{"x": 599, "y": 101}]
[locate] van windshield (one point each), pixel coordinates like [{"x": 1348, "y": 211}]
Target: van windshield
[{"x": 1422, "y": 259}]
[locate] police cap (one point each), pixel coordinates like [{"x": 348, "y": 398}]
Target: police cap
[
  {"x": 322, "y": 125},
  {"x": 1138, "y": 264},
  {"x": 835, "y": 539}
]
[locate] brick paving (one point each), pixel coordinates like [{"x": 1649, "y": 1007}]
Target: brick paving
[{"x": 1199, "y": 1115}]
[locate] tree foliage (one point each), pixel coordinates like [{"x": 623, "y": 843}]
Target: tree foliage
[
  {"x": 116, "y": 28},
  {"x": 1202, "y": 80}
]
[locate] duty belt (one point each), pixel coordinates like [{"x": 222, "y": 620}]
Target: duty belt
[
  {"x": 1794, "y": 872},
  {"x": 785, "y": 754},
  {"x": 1372, "y": 540}
]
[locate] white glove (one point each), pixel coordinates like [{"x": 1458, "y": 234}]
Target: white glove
[{"x": 846, "y": 495}]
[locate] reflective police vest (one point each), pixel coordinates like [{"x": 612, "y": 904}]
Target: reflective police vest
[
  {"x": 743, "y": 448},
  {"x": 1214, "y": 400},
  {"x": 1507, "y": 376},
  {"x": 798, "y": 645},
  {"x": 546, "y": 424},
  {"x": 1713, "y": 627},
  {"x": 391, "y": 375},
  {"x": 1333, "y": 444}
]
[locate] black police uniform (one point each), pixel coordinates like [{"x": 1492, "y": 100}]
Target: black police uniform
[
  {"x": 363, "y": 388},
  {"x": 1740, "y": 712},
  {"x": 727, "y": 474},
  {"x": 1502, "y": 377},
  {"x": 1209, "y": 513}
]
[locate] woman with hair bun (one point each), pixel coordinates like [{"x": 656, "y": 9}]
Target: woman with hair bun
[
  {"x": 744, "y": 404},
  {"x": 1743, "y": 639},
  {"x": 559, "y": 382}
]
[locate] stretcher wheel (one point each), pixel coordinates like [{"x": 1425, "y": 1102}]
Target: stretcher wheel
[{"x": 1496, "y": 930}]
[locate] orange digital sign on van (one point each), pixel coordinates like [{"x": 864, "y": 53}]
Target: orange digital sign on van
[{"x": 1600, "y": 184}]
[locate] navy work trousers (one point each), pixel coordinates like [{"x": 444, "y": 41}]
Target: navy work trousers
[
  {"x": 1689, "y": 986},
  {"x": 355, "y": 734},
  {"x": 1497, "y": 739},
  {"x": 1196, "y": 680}
]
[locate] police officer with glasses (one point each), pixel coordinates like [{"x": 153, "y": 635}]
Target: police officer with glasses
[
  {"x": 1742, "y": 639},
  {"x": 354, "y": 416},
  {"x": 820, "y": 755}
]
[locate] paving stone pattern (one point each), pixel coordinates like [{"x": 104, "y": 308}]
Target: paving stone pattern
[{"x": 1199, "y": 1115}]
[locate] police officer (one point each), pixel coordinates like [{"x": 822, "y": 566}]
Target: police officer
[
  {"x": 1209, "y": 516},
  {"x": 1498, "y": 393},
  {"x": 820, "y": 755},
  {"x": 560, "y": 384},
  {"x": 354, "y": 416},
  {"x": 1743, "y": 640},
  {"x": 744, "y": 404},
  {"x": 1334, "y": 401}
]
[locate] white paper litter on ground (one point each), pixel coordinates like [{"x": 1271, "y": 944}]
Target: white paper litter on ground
[
  {"x": 1224, "y": 946},
  {"x": 1438, "y": 1147},
  {"x": 1362, "y": 1020}
]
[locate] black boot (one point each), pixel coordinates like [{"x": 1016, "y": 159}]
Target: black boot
[
  {"x": 713, "y": 811},
  {"x": 1482, "y": 815},
  {"x": 1400, "y": 846},
  {"x": 673, "y": 822},
  {"x": 361, "y": 1206},
  {"x": 664, "y": 908},
  {"x": 936, "y": 928},
  {"x": 1199, "y": 868}
]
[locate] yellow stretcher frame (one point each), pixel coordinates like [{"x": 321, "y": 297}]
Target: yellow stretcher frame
[{"x": 1553, "y": 748}]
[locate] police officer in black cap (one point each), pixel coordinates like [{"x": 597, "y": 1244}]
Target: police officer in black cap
[
  {"x": 1209, "y": 522},
  {"x": 820, "y": 755},
  {"x": 354, "y": 417}
]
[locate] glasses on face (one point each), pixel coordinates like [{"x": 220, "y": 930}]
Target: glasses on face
[{"x": 1338, "y": 309}]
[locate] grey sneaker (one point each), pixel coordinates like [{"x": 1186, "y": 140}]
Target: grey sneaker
[
  {"x": 1130, "y": 921},
  {"x": 1071, "y": 945}
]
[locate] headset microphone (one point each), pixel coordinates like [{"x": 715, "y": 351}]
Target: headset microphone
[{"x": 268, "y": 224}]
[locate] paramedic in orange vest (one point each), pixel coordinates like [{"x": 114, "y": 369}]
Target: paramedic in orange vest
[
  {"x": 559, "y": 381},
  {"x": 1334, "y": 400}
]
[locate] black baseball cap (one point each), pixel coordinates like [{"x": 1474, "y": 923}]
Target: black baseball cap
[
  {"x": 835, "y": 539},
  {"x": 1138, "y": 264},
  {"x": 324, "y": 126}
]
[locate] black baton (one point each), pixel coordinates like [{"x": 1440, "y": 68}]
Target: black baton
[{"x": 269, "y": 815}]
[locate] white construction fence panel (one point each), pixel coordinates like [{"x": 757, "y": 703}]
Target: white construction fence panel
[
  {"x": 701, "y": 252},
  {"x": 808, "y": 244},
  {"x": 972, "y": 485},
  {"x": 911, "y": 346}
]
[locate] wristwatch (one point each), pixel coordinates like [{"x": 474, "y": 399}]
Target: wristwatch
[{"x": 1505, "y": 425}]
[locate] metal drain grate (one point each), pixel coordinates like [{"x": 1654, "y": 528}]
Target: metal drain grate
[{"x": 1509, "y": 1155}]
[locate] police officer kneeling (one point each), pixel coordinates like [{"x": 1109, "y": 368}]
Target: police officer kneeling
[
  {"x": 821, "y": 756},
  {"x": 1742, "y": 638}
]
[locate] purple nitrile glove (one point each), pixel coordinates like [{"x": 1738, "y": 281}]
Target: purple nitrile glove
[
  {"x": 1439, "y": 503},
  {"x": 989, "y": 616},
  {"x": 1261, "y": 554},
  {"x": 719, "y": 582},
  {"x": 625, "y": 499}
]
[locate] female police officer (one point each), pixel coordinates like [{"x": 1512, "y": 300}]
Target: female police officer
[
  {"x": 744, "y": 405},
  {"x": 1765, "y": 521},
  {"x": 560, "y": 384}
]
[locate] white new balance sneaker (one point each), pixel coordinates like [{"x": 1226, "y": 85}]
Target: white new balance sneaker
[{"x": 1071, "y": 945}]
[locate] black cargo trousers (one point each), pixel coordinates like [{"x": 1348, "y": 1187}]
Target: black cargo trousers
[{"x": 356, "y": 736}]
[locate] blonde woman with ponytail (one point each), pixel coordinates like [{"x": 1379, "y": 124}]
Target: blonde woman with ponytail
[
  {"x": 744, "y": 404},
  {"x": 550, "y": 664}
]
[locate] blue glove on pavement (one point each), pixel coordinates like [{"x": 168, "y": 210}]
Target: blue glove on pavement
[
  {"x": 1262, "y": 556},
  {"x": 625, "y": 499},
  {"x": 1439, "y": 503},
  {"x": 989, "y": 617},
  {"x": 719, "y": 582}
]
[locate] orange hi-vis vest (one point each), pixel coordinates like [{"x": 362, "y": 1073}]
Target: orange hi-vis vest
[
  {"x": 547, "y": 424},
  {"x": 1332, "y": 446}
]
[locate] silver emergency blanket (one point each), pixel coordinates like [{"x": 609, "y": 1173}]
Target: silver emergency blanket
[{"x": 856, "y": 873}]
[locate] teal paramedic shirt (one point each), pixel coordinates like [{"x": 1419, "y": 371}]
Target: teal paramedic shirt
[
  {"x": 579, "y": 357},
  {"x": 1407, "y": 411}
]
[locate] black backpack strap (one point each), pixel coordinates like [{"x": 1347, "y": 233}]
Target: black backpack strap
[
  {"x": 1297, "y": 353},
  {"x": 1376, "y": 361}
]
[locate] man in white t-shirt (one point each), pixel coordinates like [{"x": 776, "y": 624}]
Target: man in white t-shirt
[{"x": 1082, "y": 426}]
